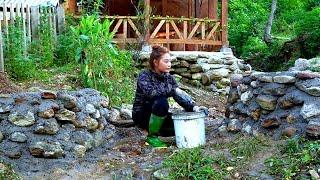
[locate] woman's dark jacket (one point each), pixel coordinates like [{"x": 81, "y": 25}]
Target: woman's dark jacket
[{"x": 151, "y": 85}]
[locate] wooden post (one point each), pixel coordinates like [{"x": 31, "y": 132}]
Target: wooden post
[
  {"x": 147, "y": 19},
  {"x": 197, "y": 6},
  {"x": 224, "y": 23},
  {"x": 35, "y": 21},
  {"x": 72, "y": 6},
  {"x": 212, "y": 9},
  {"x": 60, "y": 19},
  {"x": 1, "y": 51}
]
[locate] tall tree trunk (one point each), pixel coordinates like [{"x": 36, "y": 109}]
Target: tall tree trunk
[{"x": 267, "y": 30}]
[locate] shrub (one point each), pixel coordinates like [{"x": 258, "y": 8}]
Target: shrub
[{"x": 103, "y": 66}]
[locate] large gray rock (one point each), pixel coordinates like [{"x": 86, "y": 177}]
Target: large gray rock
[
  {"x": 310, "y": 109},
  {"x": 284, "y": 79},
  {"x": 22, "y": 118},
  {"x": 300, "y": 65},
  {"x": 310, "y": 86},
  {"x": 46, "y": 149}
]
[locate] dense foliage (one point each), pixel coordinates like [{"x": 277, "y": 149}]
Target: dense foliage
[
  {"x": 103, "y": 66},
  {"x": 296, "y": 23}
]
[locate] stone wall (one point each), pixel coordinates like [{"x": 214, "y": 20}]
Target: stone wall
[
  {"x": 209, "y": 69},
  {"x": 276, "y": 103},
  {"x": 53, "y": 124}
]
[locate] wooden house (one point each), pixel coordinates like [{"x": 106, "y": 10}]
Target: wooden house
[{"x": 177, "y": 24}]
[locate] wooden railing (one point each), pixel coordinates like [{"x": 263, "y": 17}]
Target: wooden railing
[{"x": 167, "y": 30}]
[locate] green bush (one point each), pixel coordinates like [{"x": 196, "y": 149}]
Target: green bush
[
  {"x": 309, "y": 26},
  {"x": 103, "y": 66}
]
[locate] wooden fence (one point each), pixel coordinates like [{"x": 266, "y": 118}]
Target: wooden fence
[{"x": 29, "y": 11}]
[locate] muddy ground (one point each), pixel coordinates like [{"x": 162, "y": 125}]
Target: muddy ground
[{"x": 127, "y": 156}]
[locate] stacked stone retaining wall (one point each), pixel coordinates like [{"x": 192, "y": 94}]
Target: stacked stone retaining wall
[
  {"x": 53, "y": 124},
  {"x": 277, "y": 103},
  {"x": 211, "y": 70}
]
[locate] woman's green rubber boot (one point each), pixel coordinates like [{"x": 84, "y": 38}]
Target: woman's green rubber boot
[{"x": 155, "y": 124}]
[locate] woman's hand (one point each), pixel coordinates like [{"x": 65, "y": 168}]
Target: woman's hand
[{"x": 200, "y": 109}]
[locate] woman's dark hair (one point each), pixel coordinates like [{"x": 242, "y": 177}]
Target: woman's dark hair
[{"x": 157, "y": 52}]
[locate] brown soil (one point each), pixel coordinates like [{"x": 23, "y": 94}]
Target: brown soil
[{"x": 7, "y": 86}]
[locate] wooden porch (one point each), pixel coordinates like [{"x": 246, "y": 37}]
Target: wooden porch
[{"x": 206, "y": 32}]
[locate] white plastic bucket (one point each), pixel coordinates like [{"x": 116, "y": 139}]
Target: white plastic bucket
[{"x": 189, "y": 129}]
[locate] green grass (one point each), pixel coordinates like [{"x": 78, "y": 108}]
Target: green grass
[
  {"x": 192, "y": 164},
  {"x": 295, "y": 158},
  {"x": 7, "y": 172}
]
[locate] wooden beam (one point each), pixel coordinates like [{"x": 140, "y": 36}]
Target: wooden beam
[{"x": 224, "y": 22}]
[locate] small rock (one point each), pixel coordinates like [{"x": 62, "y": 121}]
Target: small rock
[
  {"x": 68, "y": 101},
  {"x": 233, "y": 96},
  {"x": 48, "y": 95},
  {"x": 104, "y": 103},
  {"x": 49, "y": 126},
  {"x": 234, "y": 125},
  {"x": 13, "y": 153},
  {"x": 92, "y": 124},
  {"x": 49, "y": 113},
  {"x": 79, "y": 151},
  {"x": 267, "y": 102},
  {"x": 246, "y": 97},
  {"x": 289, "y": 132},
  {"x": 313, "y": 129},
  {"x": 1, "y": 136},
  {"x": 290, "y": 119},
  {"x": 90, "y": 109},
  {"x": 161, "y": 174},
  {"x": 65, "y": 115},
  {"x": 236, "y": 79},
  {"x": 270, "y": 122},
  {"x": 18, "y": 137}
]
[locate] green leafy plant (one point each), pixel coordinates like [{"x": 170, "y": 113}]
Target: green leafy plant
[
  {"x": 91, "y": 7},
  {"x": 17, "y": 63},
  {"x": 103, "y": 66}
]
